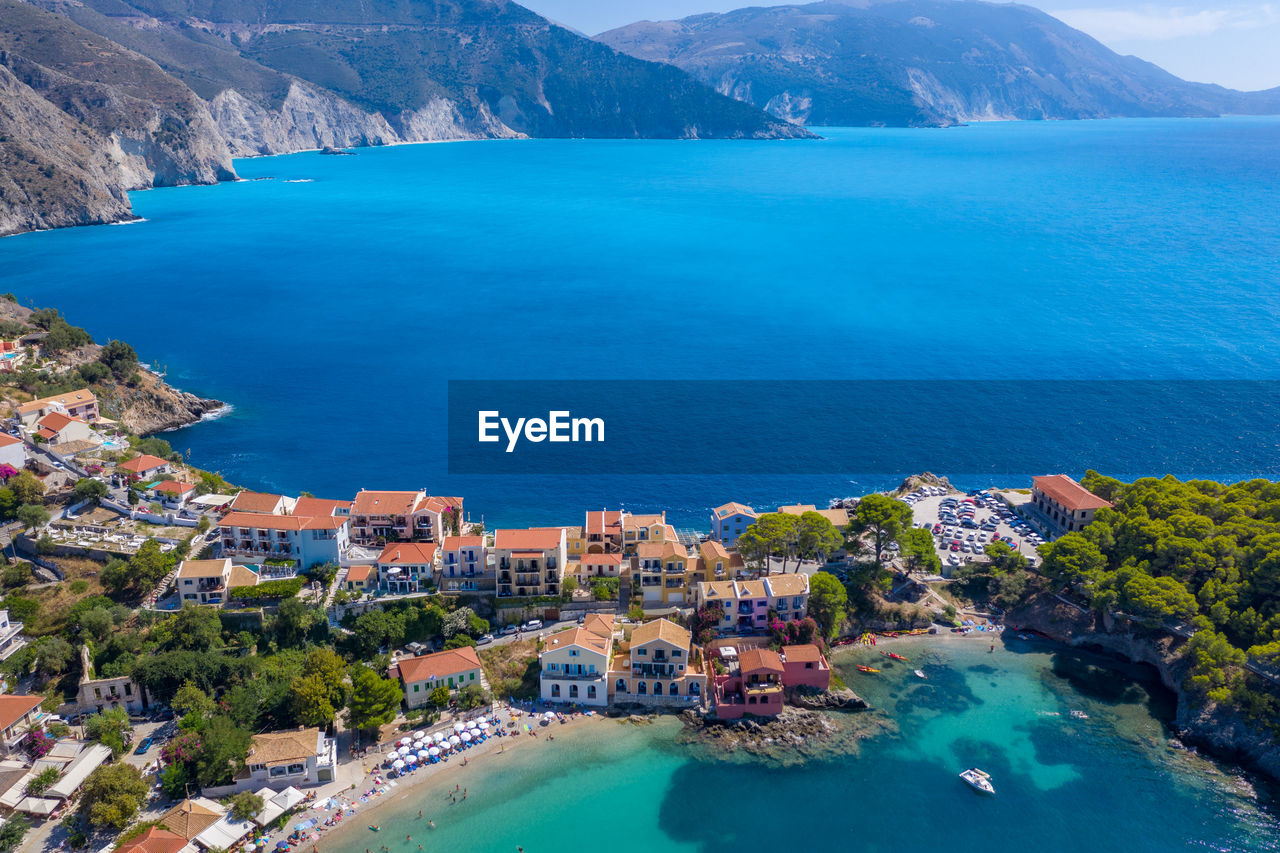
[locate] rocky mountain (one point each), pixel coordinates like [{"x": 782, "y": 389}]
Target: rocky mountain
[
  {"x": 920, "y": 63},
  {"x": 166, "y": 92}
]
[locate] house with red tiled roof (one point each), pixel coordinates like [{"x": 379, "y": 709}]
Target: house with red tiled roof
[
  {"x": 256, "y": 537},
  {"x": 57, "y": 428},
  {"x": 407, "y": 567},
  {"x": 173, "y": 494},
  {"x": 156, "y": 839},
  {"x": 80, "y": 404},
  {"x": 574, "y": 665},
  {"x": 1065, "y": 504},
  {"x": 263, "y": 503},
  {"x": 530, "y": 562},
  {"x": 13, "y": 452},
  {"x": 379, "y": 517},
  {"x": 659, "y": 665},
  {"x": 17, "y": 714},
  {"x": 361, "y": 579},
  {"x": 753, "y": 685},
  {"x": 145, "y": 467},
  {"x": 452, "y": 669}
]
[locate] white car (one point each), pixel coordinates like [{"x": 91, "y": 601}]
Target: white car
[{"x": 532, "y": 625}]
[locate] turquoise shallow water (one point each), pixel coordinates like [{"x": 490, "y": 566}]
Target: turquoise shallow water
[
  {"x": 1063, "y": 784},
  {"x": 331, "y": 303}
]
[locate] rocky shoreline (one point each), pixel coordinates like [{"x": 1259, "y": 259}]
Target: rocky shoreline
[
  {"x": 1218, "y": 730},
  {"x": 156, "y": 406}
]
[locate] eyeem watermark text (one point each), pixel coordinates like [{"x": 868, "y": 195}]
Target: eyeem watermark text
[{"x": 557, "y": 427}]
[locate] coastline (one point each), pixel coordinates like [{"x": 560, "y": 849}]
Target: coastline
[{"x": 485, "y": 755}]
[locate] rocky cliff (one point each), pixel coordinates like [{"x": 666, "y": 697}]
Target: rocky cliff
[
  {"x": 1218, "y": 729},
  {"x": 153, "y": 406}
]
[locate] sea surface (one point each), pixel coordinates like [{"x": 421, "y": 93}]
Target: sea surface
[
  {"x": 330, "y": 299},
  {"x": 1110, "y": 781}
]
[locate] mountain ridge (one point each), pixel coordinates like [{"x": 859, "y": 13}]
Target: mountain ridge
[
  {"x": 920, "y": 63},
  {"x": 166, "y": 92}
]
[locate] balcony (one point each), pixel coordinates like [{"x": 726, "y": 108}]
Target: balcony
[
  {"x": 552, "y": 577},
  {"x": 763, "y": 687},
  {"x": 573, "y": 676}
]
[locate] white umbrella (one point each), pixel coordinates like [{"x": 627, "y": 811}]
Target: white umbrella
[
  {"x": 411, "y": 759},
  {"x": 457, "y": 727},
  {"x": 466, "y": 736},
  {"x": 550, "y": 715},
  {"x": 433, "y": 751},
  {"x": 404, "y": 741},
  {"x": 404, "y": 750},
  {"x": 455, "y": 740},
  {"x": 483, "y": 725},
  {"x": 419, "y": 735},
  {"x": 438, "y": 737},
  {"x": 422, "y": 753},
  {"x": 418, "y": 744},
  {"x": 399, "y": 765}
]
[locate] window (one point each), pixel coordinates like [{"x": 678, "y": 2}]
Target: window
[
  {"x": 555, "y": 691},
  {"x": 642, "y": 652},
  {"x": 675, "y": 690},
  {"x": 415, "y": 687},
  {"x": 657, "y": 688},
  {"x": 573, "y": 691},
  {"x": 591, "y": 691},
  {"x": 675, "y": 653},
  {"x": 694, "y": 689},
  {"x": 620, "y": 685}
]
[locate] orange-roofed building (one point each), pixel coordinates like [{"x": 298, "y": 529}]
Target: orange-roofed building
[
  {"x": 361, "y": 578},
  {"x": 263, "y": 503},
  {"x": 753, "y": 685},
  {"x": 1067, "y": 505},
  {"x": 155, "y": 840},
  {"x": 575, "y": 665},
  {"x": 530, "y": 562},
  {"x": 13, "y": 452},
  {"x": 663, "y": 571},
  {"x": 145, "y": 467},
  {"x": 805, "y": 666},
  {"x": 452, "y": 669},
  {"x": 379, "y": 517},
  {"x": 659, "y": 666},
  {"x": 17, "y": 714},
  {"x": 56, "y": 428},
  {"x": 405, "y": 568},
  {"x": 80, "y": 404},
  {"x": 305, "y": 540},
  {"x": 598, "y": 566}
]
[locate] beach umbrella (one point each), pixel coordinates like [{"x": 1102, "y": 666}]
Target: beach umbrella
[
  {"x": 419, "y": 735},
  {"x": 484, "y": 725},
  {"x": 399, "y": 765},
  {"x": 404, "y": 741},
  {"x": 422, "y": 753},
  {"x": 466, "y": 736},
  {"x": 455, "y": 741},
  {"x": 418, "y": 744},
  {"x": 457, "y": 727},
  {"x": 411, "y": 759},
  {"x": 433, "y": 751},
  {"x": 283, "y": 845},
  {"x": 550, "y": 715},
  {"x": 438, "y": 737}
]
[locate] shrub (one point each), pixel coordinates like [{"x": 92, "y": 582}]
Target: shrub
[{"x": 287, "y": 588}]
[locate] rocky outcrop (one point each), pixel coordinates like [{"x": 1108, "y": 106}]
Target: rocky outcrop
[
  {"x": 838, "y": 699},
  {"x": 153, "y": 406},
  {"x": 54, "y": 171},
  {"x": 1216, "y": 728},
  {"x": 793, "y": 737}
]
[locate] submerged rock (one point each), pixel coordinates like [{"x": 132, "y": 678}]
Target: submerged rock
[{"x": 840, "y": 699}]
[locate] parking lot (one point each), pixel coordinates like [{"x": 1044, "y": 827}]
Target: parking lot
[{"x": 963, "y": 525}]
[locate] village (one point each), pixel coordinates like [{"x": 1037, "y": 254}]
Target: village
[{"x": 614, "y": 612}]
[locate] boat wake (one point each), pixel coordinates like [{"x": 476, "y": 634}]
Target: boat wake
[{"x": 298, "y": 180}]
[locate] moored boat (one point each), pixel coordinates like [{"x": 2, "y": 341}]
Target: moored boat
[
  {"x": 978, "y": 780},
  {"x": 895, "y": 656}
]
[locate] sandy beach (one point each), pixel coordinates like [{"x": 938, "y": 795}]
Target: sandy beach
[{"x": 378, "y": 791}]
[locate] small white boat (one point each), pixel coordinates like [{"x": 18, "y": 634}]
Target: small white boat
[
  {"x": 978, "y": 780},
  {"x": 920, "y": 673}
]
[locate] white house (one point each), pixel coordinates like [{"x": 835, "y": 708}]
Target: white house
[
  {"x": 452, "y": 669},
  {"x": 299, "y": 758},
  {"x": 13, "y": 452},
  {"x": 574, "y": 664}
]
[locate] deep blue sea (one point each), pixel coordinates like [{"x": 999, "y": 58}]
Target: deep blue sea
[{"x": 329, "y": 299}]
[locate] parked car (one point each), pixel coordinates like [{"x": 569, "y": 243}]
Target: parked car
[
  {"x": 144, "y": 746},
  {"x": 532, "y": 625},
  {"x": 484, "y": 640},
  {"x": 510, "y": 629}
]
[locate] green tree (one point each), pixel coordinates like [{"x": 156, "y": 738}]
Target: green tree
[
  {"x": 828, "y": 602},
  {"x": 375, "y": 700},
  {"x": 321, "y": 688},
  {"x": 42, "y": 780},
  {"x": 1073, "y": 560},
  {"x": 149, "y": 564},
  {"x": 817, "y": 538},
  {"x": 190, "y": 700},
  {"x": 296, "y": 621},
  {"x": 96, "y": 623},
  {"x": 89, "y": 489},
  {"x": 11, "y": 834},
  {"x": 53, "y": 655},
  {"x": 223, "y": 748},
  {"x": 459, "y": 641},
  {"x": 192, "y": 628},
  {"x": 116, "y": 577},
  {"x": 471, "y": 697},
  {"x": 26, "y": 488},
  {"x": 246, "y": 805},
  {"x": 33, "y": 516},
  {"x": 882, "y": 518},
  {"x": 119, "y": 358},
  {"x": 112, "y": 796},
  {"x": 109, "y": 728},
  {"x": 774, "y": 534},
  {"x": 439, "y": 697},
  {"x": 918, "y": 550}
]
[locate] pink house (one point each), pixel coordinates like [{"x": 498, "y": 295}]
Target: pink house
[
  {"x": 754, "y": 687},
  {"x": 804, "y": 666}
]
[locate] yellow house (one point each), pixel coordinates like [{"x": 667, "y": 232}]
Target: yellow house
[
  {"x": 658, "y": 666},
  {"x": 637, "y": 529},
  {"x": 662, "y": 571},
  {"x": 575, "y": 542}
]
